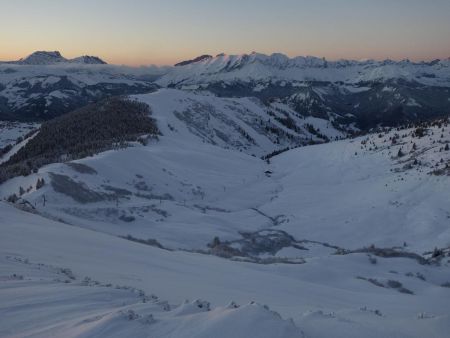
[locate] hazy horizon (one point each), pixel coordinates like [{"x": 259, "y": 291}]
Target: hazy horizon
[
  {"x": 216, "y": 54},
  {"x": 138, "y": 32}
]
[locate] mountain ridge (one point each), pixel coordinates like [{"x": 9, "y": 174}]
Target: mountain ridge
[
  {"x": 257, "y": 66},
  {"x": 363, "y": 94},
  {"x": 301, "y": 58},
  {"x": 366, "y": 93},
  {"x": 54, "y": 57}
]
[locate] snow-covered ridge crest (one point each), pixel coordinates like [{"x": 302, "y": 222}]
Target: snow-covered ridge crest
[
  {"x": 277, "y": 66},
  {"x": 281, "y": 60},
  {"x": 55, "y": 57}
]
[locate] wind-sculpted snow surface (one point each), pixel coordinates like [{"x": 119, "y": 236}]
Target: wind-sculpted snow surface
[
  {"x": 77, "y": 282},
  {"x": 73, "y": 307}
]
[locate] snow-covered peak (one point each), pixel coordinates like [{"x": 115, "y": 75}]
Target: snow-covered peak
[
  {"x": 88, "y": 59},
  {"x": 197, "y": 59},
  {"x": 54, "y": 57},
  {"x": 43, "y": 58}
]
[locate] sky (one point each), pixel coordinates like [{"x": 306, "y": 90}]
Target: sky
[{"x": 139, "y": 32}]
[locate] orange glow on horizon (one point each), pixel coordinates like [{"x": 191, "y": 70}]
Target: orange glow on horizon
[
  {"x": 164, "y": 32},
  {"x": 159, "y": 60}
]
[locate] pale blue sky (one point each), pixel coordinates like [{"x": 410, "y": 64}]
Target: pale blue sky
[{"x": 166, "y": 31}]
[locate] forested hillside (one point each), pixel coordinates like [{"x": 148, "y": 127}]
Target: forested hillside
[{"x": 86, "y": 131}]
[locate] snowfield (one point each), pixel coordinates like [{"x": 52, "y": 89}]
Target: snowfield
[
  {"x": 194, "y": 235},
  {"x": 322, "y": 296}
]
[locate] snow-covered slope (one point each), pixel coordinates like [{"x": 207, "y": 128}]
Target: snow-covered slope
[
  {"x": 340, "y": 236},
  {"x": 200, "y": 180},
  {"x": 244, "y": 124},
  {"x": 210, "y": 148},
  {"x": 77, "y": 303},
  {"x": 75, "y": 282}
]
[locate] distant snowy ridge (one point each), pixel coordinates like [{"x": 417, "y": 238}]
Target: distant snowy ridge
[
  {"x": 87, "y": 59},
  {"x": 256, "y": 66},
  {"x": 55, "y": 57}
]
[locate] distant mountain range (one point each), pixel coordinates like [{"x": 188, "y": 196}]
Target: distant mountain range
[
  {"x": 55, "y": 57},
  {"x": 361, "y": 93},
  {"x": 348, "y": 93},
  {"x": 45, "y": 84},
  {"x": 278, "y": 67}
]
